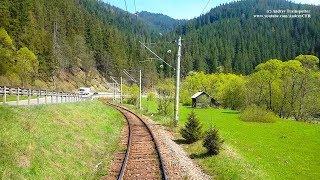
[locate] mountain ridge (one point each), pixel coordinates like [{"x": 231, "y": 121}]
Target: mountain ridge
[
  {"x": 229, "y": 36},
  {"x": 92, "y": 35},
  {"x": 160, "y": 22}
]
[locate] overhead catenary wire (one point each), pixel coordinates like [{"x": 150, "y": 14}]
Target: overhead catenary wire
[
  {"x": 129, "y": 75},
  {"x": 205, "y": 7},
  {"x": 156, "y": 55},
  {"x": 114, "y": 80}
]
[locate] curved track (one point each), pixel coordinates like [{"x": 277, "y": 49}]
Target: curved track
[{"x": 142, "y": 159}]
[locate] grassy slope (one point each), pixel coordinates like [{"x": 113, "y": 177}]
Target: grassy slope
[
  {"x": 58, "y": 141},
  {"x": 281, "y": 150},
  {"x": 14, "y": 98}
]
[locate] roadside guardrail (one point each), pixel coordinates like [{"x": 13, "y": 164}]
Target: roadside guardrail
[{"x": 49, "y": 96}]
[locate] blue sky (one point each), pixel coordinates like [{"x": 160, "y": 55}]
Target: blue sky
[{"x": 179, "y": 9}]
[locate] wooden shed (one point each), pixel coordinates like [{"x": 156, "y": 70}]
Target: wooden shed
[{"x": 202, "y": 99}]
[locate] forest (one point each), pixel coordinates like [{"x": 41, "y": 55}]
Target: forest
[
  {"x": 288, "y": 88},
  {"x": 230, "y": 37},
  {"x": 66, "y": 44}
]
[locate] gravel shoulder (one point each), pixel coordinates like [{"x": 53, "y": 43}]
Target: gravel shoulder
[{"x": 177, "y": 162}]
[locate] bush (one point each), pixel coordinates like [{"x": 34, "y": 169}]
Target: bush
[
  {"x": 185, "y": 97},
  {"x": 192, "y": 131},
  {"x": 258, "y": 114},
  {"x": 165, "y": 106},
  {"x": 4, "y": 81},
  {"x": 151, "y": 96},
  {"x": 212, "y": 142},
  {"x": 165, "y": 91},
  {"x": 133, "y": 93},
  {"x": 15, "y": 80},
  {"x": 132, "y": 101},
  {"x": 40, "y": 84}
]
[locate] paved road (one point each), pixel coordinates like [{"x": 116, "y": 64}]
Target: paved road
[
  {"x": 42, "y": 100},
  {"x": 56, "y": 100}
]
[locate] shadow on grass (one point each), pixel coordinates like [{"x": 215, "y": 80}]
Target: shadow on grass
[
  {"x": 189, "y": 107},
  {"x": 228, "y": 112},
  {"x": 181, "y": 141},
  {"x": 200, "y": 155},
  {"x": 196, "y": 108}
]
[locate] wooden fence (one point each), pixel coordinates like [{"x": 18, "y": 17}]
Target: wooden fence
[{"x": 49, "y": 96}]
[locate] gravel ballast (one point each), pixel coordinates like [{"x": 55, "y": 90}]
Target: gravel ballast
[{"x": 177, "y": 162}]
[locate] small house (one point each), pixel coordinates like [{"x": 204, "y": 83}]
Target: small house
[{"x": 202, "y": 99}]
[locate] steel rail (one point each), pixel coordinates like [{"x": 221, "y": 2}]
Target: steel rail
[{"x": 164, "y": 174}]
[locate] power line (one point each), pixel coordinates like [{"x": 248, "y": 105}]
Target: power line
[
  {"x": 205, "y": 7},
  {"x": 156, "y": 55},
  {"x": 135, "y": 6}
]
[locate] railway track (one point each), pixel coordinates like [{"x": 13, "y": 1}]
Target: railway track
[{"x": 142, "y": 159}]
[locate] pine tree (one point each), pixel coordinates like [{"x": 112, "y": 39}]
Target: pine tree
[
  {"x": 212, "y": 142},
  {"x": 192, "y": 131}
]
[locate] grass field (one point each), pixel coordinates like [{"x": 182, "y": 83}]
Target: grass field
[
  {"x": 66, "y": 141},
  {"x": 14, "y": 98},
  {"x": 283, "y": 150}
]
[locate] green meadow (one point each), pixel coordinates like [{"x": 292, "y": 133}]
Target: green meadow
[
  {"x": 14, "y": 98},
  {"x": 65, "y": 141},
  {"x": 285, "y": 149}
]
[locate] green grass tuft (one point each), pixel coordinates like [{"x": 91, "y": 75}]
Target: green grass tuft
[
  {"x": 14, "y": 98},
  {"x": 258, "y": 114}
]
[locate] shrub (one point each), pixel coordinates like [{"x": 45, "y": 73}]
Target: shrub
[
  {"x": 151, "y": 96},
  {"x": 132, "y": 101},
  {"x": 133, "y": 93},
  {"x": 165, "y": 106},
  {"x": 4, "y": 81},
  {"x": 40, "y": 84},
  {"x": 258, "y": 114},
  {"x": 185, "y": 97},
  {"x": 64, "y": 85},
  {"x": 14, "y": 79},
  {"x": 212, "y": 142},
  {"x": 165, "y": 91},
  {"x": 192, "y": 131}
]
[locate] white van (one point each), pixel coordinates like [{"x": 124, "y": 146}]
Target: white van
[{"x": 85, "y": 92}]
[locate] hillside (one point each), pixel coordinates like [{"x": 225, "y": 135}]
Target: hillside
[
  {"x": 60, "y": 141},
  {"x": 60, "y": 44},
  {"x": 66, "y": 43},
  {"x": 161, "y": 23},
  {"x": 230, "y": 38}
]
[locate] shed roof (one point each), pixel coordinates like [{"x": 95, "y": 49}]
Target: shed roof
[{"x": 196, "y": 95}]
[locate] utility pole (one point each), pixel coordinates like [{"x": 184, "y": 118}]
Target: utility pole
[
  {"x": 5, "y": 95},
  {"x": 140, "y": 84},
  {"x": 115, "y": 84},
  {"x": 140, "y": 89},
  {"x": 176, "y": 105},
  {"x": 114, "y": 92},
  {"x": 177, "y": 69},
  {"x": 121, "y": 89}
]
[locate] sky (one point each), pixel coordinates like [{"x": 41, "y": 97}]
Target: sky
[{"x": 178, "y": 9}]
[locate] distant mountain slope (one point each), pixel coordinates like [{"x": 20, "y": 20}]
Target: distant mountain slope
[
  {"x": 73, "y": 35},
  {"x": 160, "y": 22},
  {"x": 69, "y": 36},
  {"x": 229, "y": 36}
]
